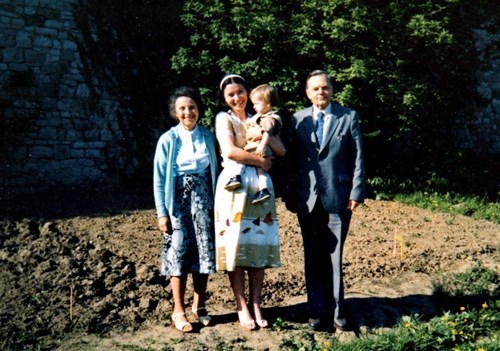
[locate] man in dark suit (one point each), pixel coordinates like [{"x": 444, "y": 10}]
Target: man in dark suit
[{"x": 327, "y": 184}]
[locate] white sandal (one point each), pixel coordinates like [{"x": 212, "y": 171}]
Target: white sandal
[
  {"x": 262, "y": 323},
  {"x": 205, "y": 320},
  {"x": 182, "y": 326}
]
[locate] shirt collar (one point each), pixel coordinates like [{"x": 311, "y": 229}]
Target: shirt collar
[
  {"x": 326, "y": 111},
  {"x": 188, "y": 134}
]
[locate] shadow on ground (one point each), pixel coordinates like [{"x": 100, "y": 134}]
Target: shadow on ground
[
  {"x": 61, "y": 204},
  {"x": 367, "y": 312}
]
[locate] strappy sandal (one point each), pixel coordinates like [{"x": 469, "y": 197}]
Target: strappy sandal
[
  {"x": 205, "y": 320},
  {"x": 248, "y": 325},
  {"x": 262, "y": 323},
  {"x": 182, "y": 326}
]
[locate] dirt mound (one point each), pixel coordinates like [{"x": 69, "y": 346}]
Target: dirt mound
[{"x": 98, "y": 273}]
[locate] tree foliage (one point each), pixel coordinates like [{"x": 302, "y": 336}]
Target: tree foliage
[{"x": 407, "y": 67}]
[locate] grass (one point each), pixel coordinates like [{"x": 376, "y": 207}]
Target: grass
[
  {"x": 471, "y": 326},
  {"x": 468, "y": 192},
  {"x": 455, "y": 204},
  {"x": 464, "y": 330}
]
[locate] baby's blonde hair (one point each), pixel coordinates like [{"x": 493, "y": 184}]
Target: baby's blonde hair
[{"x": 267, "y": 93}]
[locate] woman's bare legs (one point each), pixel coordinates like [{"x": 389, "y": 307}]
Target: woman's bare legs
[
  {"x": 199, "y": 296},
  {"x": 237, "y": 280},
  {"x": 256, "y": 279},
  {"x": 200, "y": 282},
  {"x": 178, "y": 291}
]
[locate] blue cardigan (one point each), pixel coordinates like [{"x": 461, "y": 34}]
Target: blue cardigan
[{"x": 163, "y": 179}]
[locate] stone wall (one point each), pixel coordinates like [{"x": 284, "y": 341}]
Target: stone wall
[
  {"x": 481, "y": 133},
  {"x": 50, "y": 135}
]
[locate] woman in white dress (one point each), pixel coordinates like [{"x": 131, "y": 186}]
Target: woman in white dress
[{"x": 246, "y": 235}]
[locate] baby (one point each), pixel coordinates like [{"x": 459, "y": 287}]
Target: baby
[{"x": 259, "y": 129}]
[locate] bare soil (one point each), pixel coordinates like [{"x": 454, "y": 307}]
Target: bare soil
[{"x": 80, "y": 272}]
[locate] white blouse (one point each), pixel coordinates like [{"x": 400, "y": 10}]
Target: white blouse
[{"x": 192, "y": 153}]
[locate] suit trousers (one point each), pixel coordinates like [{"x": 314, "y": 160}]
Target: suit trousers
[{"x": 323, "y": 236}]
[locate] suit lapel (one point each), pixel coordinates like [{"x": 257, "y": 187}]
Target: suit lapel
[{"x": 309, "y": 125}]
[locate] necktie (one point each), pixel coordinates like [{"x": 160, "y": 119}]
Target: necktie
[{"x": 319, "y": 127}]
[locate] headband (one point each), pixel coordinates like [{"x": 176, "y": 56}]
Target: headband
[{"x": 229, "y": 76}]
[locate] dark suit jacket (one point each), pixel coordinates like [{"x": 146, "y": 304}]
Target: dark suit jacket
[{"x": 336, "y": 171}]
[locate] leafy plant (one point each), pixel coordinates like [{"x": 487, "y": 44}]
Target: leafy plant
[
  {"x": 470, "y": 288},
  {"x": 464, "y": 328}
]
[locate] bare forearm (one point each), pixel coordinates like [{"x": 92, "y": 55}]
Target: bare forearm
[
  {"x": 277, "y": 146},
  {"x": 241, "y": 156}
]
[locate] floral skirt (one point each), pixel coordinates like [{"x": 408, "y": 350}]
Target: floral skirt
[
  {"x": 246, "y": 235},
  {"x": 190, "y": 248}
]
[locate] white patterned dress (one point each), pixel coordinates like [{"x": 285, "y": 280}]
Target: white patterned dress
[
  {"x": 190, "y": 247},
  {"x": 246, "y": 235}
]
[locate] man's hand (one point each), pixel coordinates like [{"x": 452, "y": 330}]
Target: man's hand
[{"x": 351, "y": 205}]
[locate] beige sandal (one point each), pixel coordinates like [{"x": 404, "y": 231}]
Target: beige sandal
[
  {"x": 182, "y": 326},
  {"x": 248, "y": 325},
  {"x": 205, "y": 320},
  {"x": 262, "y": 323}
]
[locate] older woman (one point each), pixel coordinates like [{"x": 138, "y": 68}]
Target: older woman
[
  {"x": 246, "y": 234},
  {"x": 185, "y": 170}
]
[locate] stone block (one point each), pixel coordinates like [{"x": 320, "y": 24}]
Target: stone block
[
  {"x": 69, "y": 164},
  {"x": 47, "y": 32},
  {"x": 18, "y": 66},
  {"x": 47, "y": 133},
  {"x": 106, "y": 135},
  {"x": 7, "y": 39},
  {"x": 41, "y": 152},
  {"x": 92, "y": 135},
  {"x": 42, "y": 42},
  {"x": 31, "y": 55},
  {"x": 85, "y": 162},
  {"x": 24, "y": 39},
  {"x": 12, "y": 55},
  {"x": 67, "y": 55},
  {"x": 47, "y": 90},
  {"x": 29, "y": 10},
  {"x": 62, "y": 152},
  {"x": 77, "y": 153},
  {"x": 54, "y": 55},
  {"x": 73, "y": 135},
  {"x": 4, "y": 21},
  {"x": 82, "y": 91},
  {"x": 495, "y": 107},
  {"x": 69, "y": 45},
  {"x": 94, "y": 153},
  {"x": 32, "y": 168},
  {"x": 54, "y": 24},
  {"x": 51, "y": 68}
]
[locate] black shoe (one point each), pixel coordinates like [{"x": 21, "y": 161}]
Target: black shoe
[
  {"x": 340, "y": 324},
  {"x": 261, "y": 196},
  {"x": 234, "y": 183},
  {"x": 314, "y": 324}
]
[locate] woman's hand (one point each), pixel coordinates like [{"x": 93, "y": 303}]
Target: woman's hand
[
  {"x": 260, "y": 151},
  {"x": 164, "y": 225},
  {"x": 267, "y": 162},
  {"x": 237, "y": 154}
]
